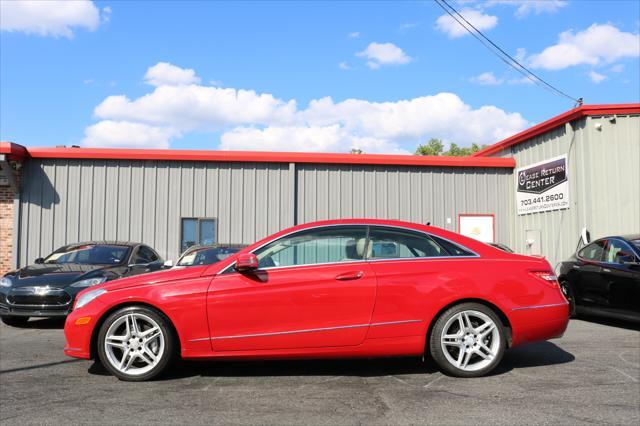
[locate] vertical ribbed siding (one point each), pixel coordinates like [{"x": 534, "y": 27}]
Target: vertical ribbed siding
[
  {"x": 66, "y": 201},
  {"x": 416, "y": 194},
  {"x": 604, "y": 183}
]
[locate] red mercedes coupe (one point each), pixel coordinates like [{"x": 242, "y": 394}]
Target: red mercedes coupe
[{"x": 340, "y": 288}]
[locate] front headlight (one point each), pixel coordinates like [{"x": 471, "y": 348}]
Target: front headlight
[
  {"x": 88, "y": 297},
  {"x": 89, "y": 282},
  {"x": 5, "y": 282}
]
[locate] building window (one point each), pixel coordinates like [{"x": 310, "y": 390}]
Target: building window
[{"x": 201, "y": 231}]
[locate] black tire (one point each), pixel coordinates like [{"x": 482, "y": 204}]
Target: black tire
[
  {"x": 436, "y": 347},
  {"x": 15, "y": 321},
  {"x": 165, "y": 359},
  {"x": 565, "y": 286}
]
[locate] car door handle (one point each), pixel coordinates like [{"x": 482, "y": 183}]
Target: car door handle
[
  {"x": 350, "y": 276},
  {"x": 575, "y": 267},
  {"x": 606, "y": 270}
]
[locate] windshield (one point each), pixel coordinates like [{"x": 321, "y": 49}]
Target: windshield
[
  {"x": 206, "y": 256},
  {"x": 89, "y": 255}
]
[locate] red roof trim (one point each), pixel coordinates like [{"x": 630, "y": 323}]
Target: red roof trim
[
  {"x": 271, "y": 157},
  {"x": 13, "y": 150},
  {"x": 582, "y": 111}
]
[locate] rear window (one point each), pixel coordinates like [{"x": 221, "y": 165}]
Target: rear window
[
  {"x": 451, "y": 248},
  {"x": 636, "y": 243}
]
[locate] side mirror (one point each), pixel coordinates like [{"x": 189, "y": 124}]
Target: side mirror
[
  {"x": 168, "y": 264},
  {"x": 246, "y": 262},
  {"x": 39, "y": 261}
]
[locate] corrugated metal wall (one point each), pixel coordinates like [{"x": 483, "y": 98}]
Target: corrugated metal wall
[
  {"x": 66, "y": 201},
  {"x": 415, "y": 194},
  {"x": 604, "y": 183}
]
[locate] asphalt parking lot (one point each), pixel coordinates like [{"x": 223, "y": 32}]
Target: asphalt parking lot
[{"x": 591, "y": 375}]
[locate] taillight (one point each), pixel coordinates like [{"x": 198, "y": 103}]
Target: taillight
[{"x": 548, "y": 277}]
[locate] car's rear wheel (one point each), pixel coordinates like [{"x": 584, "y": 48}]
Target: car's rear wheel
[
  {"x": 468, "y": 340},
  {"x": 15, "y": 321},
  {"x": 569, "y": 295},
  {"x": 136, "y": 343}
]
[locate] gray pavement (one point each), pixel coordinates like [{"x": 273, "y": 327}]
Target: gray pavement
[{"x": 591, "y": 375}]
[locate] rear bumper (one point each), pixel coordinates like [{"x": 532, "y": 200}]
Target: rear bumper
[{"x": 539, "y": 322}]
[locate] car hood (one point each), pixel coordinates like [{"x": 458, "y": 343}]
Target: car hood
[
  {"x": 56, "y": 275},
  {"x": 158, "y": 277}
]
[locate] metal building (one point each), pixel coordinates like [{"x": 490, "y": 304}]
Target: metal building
[
  {"x": 602, "y": 147},
  {"x": 170, "y": 199}
]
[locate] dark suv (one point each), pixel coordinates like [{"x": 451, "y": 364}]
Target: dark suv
[{"x": 48, "y": 288}]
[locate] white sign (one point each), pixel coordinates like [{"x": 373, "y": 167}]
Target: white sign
[
  {"x": 543, "y": 186},
  {"x": 477, "y": 226}
]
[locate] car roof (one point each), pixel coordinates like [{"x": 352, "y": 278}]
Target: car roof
[
  {"x": 103, "y": 243},
  {"x": 628, "y": 237},
  {"x": 212, "y": 246}
]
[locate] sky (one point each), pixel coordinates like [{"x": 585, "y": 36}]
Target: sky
[{"x": 382, "y": 77}]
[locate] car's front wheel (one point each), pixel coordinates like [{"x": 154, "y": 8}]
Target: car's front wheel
[
  {"x": 135, "y": 343},
  {"x": 468, "y": 340}
]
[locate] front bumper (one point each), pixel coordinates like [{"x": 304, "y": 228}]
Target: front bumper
[
  {"x": 78, "y": 333},
  {"x": 36, "y": 301}
]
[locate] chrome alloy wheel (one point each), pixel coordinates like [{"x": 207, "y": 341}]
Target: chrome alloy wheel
[
  {"x": 470, "y": 340},
  {"x": 134, "y": 344}
]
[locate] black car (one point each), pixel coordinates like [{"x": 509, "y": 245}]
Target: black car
[
  {"x": 48, "y": 288},
  {"x": 206, "y": 254},
  {"x": 603, "y": 278}
]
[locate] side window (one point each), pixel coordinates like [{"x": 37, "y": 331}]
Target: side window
[
  {"x": 313, "y": 246},
  {"x": 387, "y": 243},
  {"x": 145, "y": 255},
  {"x": 618, "y": 252},
  {"x": 593, "y": 251}
]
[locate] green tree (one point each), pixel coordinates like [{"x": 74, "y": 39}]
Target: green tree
[
  {"x": 356, "y": 151},
  {"x": 433, "y": 147},
  {"x": 436, "y": 147}
]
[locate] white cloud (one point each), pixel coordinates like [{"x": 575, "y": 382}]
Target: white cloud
[
  {"x": 164, "y": 73},
  {"x": 520, "y": 80},
  {"x": 524, "y": 7},
  {"x": 124, "y": 134},
  {"x": 49, "y": 18},
  {"x": 354, "y": 34},
  {"x": 344, "y": 66},
  {"x": 406, "y": 27},
  {"x": 378, "y": 54},
  {"x": 304, "y": 139},
  {"x": 478, "y": 19},
  {"x": 600, "y": 43},
  {"x": 250, "y": 120},
  {"x": 596, "y": 77},
  {"x": 617, "y": 68},
  {"x": 487, "y": 79}
]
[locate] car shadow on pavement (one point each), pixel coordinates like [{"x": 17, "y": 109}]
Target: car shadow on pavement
[
  {"x": 43, "y": 323},
  {"x": 611, "y": 322},
  {"x": 532, "y": 355}
]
